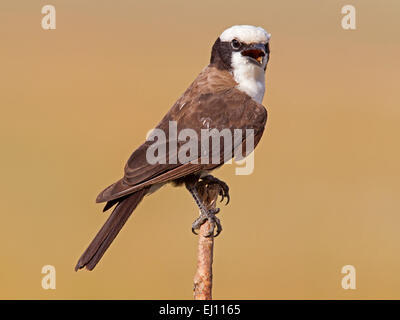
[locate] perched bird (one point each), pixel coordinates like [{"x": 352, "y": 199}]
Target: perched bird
[{"x": 227, "y": 94}]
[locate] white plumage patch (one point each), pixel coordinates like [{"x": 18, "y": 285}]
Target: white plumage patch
[
  {"x": 247, "y": 34},
  {"x": 250, "y": 77}
]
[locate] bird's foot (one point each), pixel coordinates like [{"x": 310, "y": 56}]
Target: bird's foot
[
  {"x": 205, "y": 193},
  {"x": 223, "y": 187},
  {"x": 211, "y": 218}
]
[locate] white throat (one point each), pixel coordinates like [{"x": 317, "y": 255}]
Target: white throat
[{"x": 250, "y": 78}]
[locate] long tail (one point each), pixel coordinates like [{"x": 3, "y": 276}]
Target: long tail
[{"x": 109, "y": 231}]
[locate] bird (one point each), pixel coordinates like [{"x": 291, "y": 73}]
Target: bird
[{"x": 227, "y": 94}]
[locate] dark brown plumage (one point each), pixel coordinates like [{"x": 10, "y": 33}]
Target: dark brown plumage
[{"x": 211, "y": 101}]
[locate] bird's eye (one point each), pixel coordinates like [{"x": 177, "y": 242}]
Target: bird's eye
[{"x": 235, "y": 44}]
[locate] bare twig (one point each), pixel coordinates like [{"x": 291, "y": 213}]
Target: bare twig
[{"x": 203, "y": 277}]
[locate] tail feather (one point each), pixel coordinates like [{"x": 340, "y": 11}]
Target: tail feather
[
  {"x": 111, "y": 203},
  {"x": 109, "y": 231}
]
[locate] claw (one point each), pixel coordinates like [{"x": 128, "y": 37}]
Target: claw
[
  {"x": 198, "y": 222},
  {"x": 228, "y": 198},
  {"x": 214, "y": 221},
  {"x": 224, "y": 195},
  {"x": 221, "y": 193},
  {"x": 219, "y": 228},
  {"x": 224, "y": 189}
]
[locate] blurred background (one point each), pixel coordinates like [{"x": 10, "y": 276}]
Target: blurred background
[{"x": 76, "y": 101}]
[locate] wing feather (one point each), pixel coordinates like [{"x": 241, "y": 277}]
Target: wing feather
[{"x": 210, "y": 102}]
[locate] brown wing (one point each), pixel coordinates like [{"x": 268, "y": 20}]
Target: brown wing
[{"x": 210, "y": 102}]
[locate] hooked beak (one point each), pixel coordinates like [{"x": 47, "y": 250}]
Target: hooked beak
[{"x": 255, "y": 53}]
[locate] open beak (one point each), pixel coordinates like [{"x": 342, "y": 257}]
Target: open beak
[{"x": 256, "y": 53}]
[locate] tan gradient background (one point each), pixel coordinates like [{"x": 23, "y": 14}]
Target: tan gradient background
[{"x": 76, "y": 101}]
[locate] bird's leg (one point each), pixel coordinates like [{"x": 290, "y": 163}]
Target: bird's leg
[
  {"x": 223, "y": 187},
  {"x": 205, "y": 214}
]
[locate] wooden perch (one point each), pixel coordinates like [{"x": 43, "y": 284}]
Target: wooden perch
[{"x": 203, "y": 277}]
